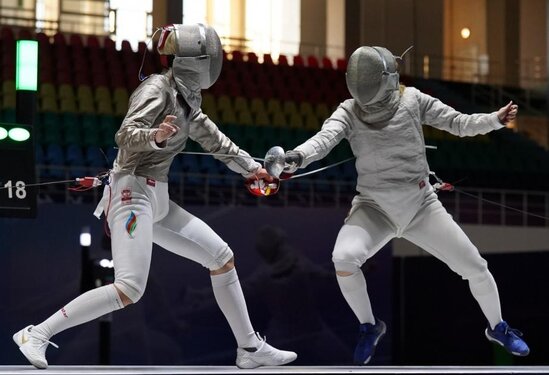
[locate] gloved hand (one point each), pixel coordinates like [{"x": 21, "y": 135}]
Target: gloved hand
[{"x": 293, "y": 160}]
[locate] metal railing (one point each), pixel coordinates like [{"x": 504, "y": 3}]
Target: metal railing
[{"x": 467, "y": 205}]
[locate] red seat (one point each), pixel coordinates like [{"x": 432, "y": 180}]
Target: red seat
[
  {"x": 341, "y": 64},
  {"x": 283, "y": 60},
  {"x": 7, "y": 34},
  {"x": 237, "y": 56},
  {"x": 252, "y": 58},
  {"x": 75, "y": 40},
  {"x": 298, "y": 60},
  {"x": 59, "y": 39},
  {"x": 312, "y": 61},
  {"x": 25, "y": 34},
  {"x": 109, "y": 44},
  {"x": 126, "y": 46},
  {"x": 42, "y": 39},
  {"x": 327, "y": 63},
  {"x": 268, "y": 59},
  {"x": 93, "y": 41}
]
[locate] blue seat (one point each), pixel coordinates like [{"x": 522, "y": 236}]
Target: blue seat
[
  {"x": 55, "y": 159},
  {"x": 39, "y": 157},
  {"x": 95, "y": 158},
  {"x": 210, "y": 166}
]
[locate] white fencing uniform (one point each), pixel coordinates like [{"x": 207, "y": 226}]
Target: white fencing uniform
[{"x": 395, "y": 198}]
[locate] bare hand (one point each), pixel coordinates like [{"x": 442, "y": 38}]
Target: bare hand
[
  {"x": 262, "y": 174},
  {"x": 508, "y": 113},
  {"x": 166, "y": 129}
]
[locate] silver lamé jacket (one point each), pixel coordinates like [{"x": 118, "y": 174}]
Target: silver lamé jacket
[{"x": 149, "y": 104}]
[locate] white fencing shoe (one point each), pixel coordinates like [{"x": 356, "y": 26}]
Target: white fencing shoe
[
  {"x": 32, "y": 347},
  {"x": 263, "y": 355}
]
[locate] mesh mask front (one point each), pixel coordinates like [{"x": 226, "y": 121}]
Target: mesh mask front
[
  {"x": 197, "y": 41},
  {"x": 371, "y": 74}
]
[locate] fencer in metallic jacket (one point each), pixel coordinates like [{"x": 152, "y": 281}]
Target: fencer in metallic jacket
[
  {"x": 151, "y": 102},
  {"x": 163, "y": 113}
]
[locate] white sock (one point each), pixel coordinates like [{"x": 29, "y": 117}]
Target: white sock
[
  {"x": 354, "y": 290},
  {"x": 88, "y": 306},
  {"x": 485, "y": 291},
  {"x": 229, "y": 297}
]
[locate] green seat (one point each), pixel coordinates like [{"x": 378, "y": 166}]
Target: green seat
[
  {"x": 51, "y": 128},
  {"x": 108, "y": 126},
  {"x": 90, "y": 129},
  {"x": 71, "y": 128}
]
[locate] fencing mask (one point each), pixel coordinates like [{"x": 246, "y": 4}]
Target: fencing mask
[
  {"x": 372, "y": 74},
  {"x": 196, "y": 42}
]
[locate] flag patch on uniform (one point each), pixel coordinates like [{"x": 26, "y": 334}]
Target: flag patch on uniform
[
  {"x": 126, "y": 196},
  {"x": 131, "y": 224}
]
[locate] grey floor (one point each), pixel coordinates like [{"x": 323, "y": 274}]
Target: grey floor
[{"x": 274, "y": 370}]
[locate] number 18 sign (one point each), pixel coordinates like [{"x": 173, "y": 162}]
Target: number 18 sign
[{"x": 17, "y": 170}]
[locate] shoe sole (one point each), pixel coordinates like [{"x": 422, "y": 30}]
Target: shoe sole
[
  {"x": 374, "y": 349},
  {"x": 253, "y": 364},
  {"x": 496, "y": 341},
  {"x": 17, "y": 340}
]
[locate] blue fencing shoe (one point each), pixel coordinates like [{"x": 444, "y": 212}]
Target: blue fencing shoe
[
  {"x": 509, "y": 338},
  {"x": 368, "y": 337}
]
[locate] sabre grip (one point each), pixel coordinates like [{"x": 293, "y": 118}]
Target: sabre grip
[{"x": 293, "y": 160}]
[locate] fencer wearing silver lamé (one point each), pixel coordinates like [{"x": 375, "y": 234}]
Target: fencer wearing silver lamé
[{"x": 163, "y": 113}]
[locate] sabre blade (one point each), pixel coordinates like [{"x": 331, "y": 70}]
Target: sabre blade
[{"x": 218, "y": 154}]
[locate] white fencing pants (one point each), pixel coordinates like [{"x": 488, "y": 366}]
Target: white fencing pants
[
  {"x": 424, "y": 222},
  {"x": 140, "y": 212}
]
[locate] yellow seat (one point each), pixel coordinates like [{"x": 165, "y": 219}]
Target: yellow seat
[
  {"x": 262, "y": 119},
  {"x": 322, "y": 111},
  {"x": 66, "y": 91},
  {"x": 68, "y": 105},
  {"x": 306, "y": 109},
  {"x": 209, "y": 107},
  {"x": 296, "y": 121},
  {"x": 244, "y": 118},
  {"x": 257, "y": 105},
  {"x": 273, "y": 106},
  {"x": 228, "y": 116},
  {"x": 212, "y": 115},
  {"x": 312, "y": 122},
  {"x": 85, "y": 99},
  {"x": 289, "y": 108},
  {"x": 120, "y": 101},
  {"x": 208, "y": 101},
  {"x": 241, "y": 104},
  {"x": 224, "y": 103},
  {"x": 279, "y": 120},
  {"x": 47, "y": 89},
  {"x": 67, "y": 98},
  {"x": 49, "y": 104},
  {"x": 8, "y": 94},
  {"x": 48, "y": 97},
  {"x": 103, "y": 100}
]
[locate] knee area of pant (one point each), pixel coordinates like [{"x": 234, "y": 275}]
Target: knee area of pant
[
  {"x": 132, "y": 291},
  {"x": 345, "y": 269},
  {"x": 222, "y": 261},
  {"x": 479, "y": 277}
]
